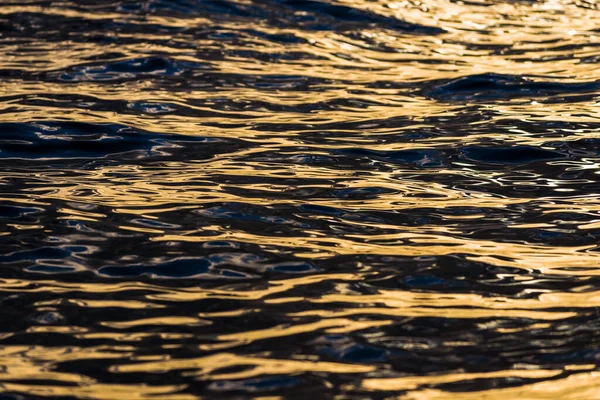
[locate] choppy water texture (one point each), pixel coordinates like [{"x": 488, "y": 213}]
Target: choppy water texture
[{"x": 345, "y": 199}]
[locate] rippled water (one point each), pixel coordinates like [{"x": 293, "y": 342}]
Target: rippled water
[{"x": 338, "y": 198}]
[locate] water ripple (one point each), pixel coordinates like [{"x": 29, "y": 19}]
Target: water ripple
[{"x": 286, "y": 199}]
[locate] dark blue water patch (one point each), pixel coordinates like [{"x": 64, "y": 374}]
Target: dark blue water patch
[
  {"x": 262, "y": 384},
  {"x": 294, "y": 267},
  {"x": 14, "y": 212},
  {"x": 423, "y": 281},
  {"x": 345, "y": 349},
  {"x": 43, "y": 253},
  {"x": 302, "y": 157},
  {"x": 242, "y": 212},
  {"x": 48, "y": 260},
  {"x": 207, "y": 268},
  {"x": 431, "y": 282},
  {"x": 319, "y": 15},
  {"x": 153, "y": 107},
  {"x": 359, "y": 193},
  {"x": 313, "y": 208},
  {"x": 565, "y": 237},
  {"x": 130, "y": 69},
  {"x": 284, "y": 38},
  {"x": 20, "y": 25},
  {"x": 421, "y": 158},
  {"x": 258, "y": 104},
  {"x": 307, "y": 211},
  {"x": 221, "y": 244},
  {"x": 171, "y": 6},
  {"x": 275, "y": 56},
  {"x": 571, "y": 356},
  {"x": 282, "y": 82},
  {"x": 497, "y": 86},
  {"x": 248, "y": 260},
  {"x": 68, "y": 140},
  {"x": 363, "y": 354},
  {"x": 152, "y": 223},
  {"x": 50, "y": 318},
  {"x": 51, "y": 269},
  {"x": 186, "y": 267},
  {"x": 259, "y": 263},
  {"x": 302, "y": 14},
  {"x": 212, "y": 8},
  {"x": 515, "y": 155},
  {"x": 456, "y": 274},
  {"x": 11, "y": 396},
  {"x": 226, "y": 265},
  {"x": 333, "y": 338}
]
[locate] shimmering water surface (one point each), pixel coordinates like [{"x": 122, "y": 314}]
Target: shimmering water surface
[{"x": 348, "y": 199}]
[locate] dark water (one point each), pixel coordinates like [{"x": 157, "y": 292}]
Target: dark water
[{"x": 345, "y": 199}]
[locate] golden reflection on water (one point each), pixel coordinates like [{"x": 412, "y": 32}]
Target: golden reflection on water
[
  {"x": 577, "y": 386},
  {"x": 551, "y": 41}
]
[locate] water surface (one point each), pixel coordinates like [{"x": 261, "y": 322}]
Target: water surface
[{"x": 289, "y": 199}]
